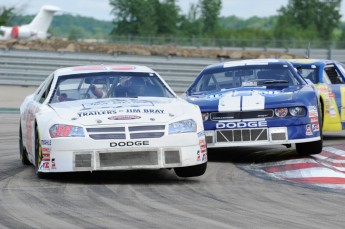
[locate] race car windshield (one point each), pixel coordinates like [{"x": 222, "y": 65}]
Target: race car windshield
[
  {"x": 109, "y": 85},
  {"x": 245, "y": 76}
]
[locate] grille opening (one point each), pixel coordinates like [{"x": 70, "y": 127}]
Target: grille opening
[
  {"x": 106, "y": 129},
  {"x": 278, "y": 136},
  {"x": 107, "y": 136},
  {"x": 133, "y": 158},
  {"x": 82, "y": 160},
  {"x": 144, "y": 128},
  {"x": 209, "y": 139},
  {"x": 172, "y": 156},
  {"x": 242, "y": 135},
  {"x": 147, "y": 135},
  {"x": 130, "y": 132}
]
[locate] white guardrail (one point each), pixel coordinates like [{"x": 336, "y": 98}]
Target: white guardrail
[{"x": 30, "y": 68}]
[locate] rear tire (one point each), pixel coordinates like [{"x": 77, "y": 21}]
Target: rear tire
[
  {"x": 22, "y": 150},
  {"x": 191, "y": 171}
]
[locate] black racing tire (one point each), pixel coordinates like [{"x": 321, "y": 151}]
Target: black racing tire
[
  {"x": 322, "y": 113},
  {"x": 22, "y": 150},
  {"x": 191, "y": 171},
  {"x": 38, "y": 154},
  {"x": 309, "y": 148}
]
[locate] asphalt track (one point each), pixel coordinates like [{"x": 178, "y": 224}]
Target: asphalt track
[{"x": 242, "y": 188}]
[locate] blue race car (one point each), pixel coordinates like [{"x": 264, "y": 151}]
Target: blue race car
[
  {"x": 329, "y": 78},
  {"x": 257, "y": 102}
]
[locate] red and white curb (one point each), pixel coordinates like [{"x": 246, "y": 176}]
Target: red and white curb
[{"x": 326, "y": 170}]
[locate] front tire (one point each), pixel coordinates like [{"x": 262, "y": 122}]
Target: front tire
[
  {"x": 38, "y": 154},
  {"x": 22, "y": 150},
  {"x": 191, "y": 171},
  {"x": 309, "y": 148}
]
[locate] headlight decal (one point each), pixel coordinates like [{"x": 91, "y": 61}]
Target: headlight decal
[
  {"x": 281, "y": 112},
  {"x": 60, "y": 130},
  {"x": 291, "y": 111},
  {"x": 184, "y": 126},
  {"x": 297, "y": 111}
]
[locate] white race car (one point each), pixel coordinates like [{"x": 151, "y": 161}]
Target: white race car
[{"x": 110, "y": 117}]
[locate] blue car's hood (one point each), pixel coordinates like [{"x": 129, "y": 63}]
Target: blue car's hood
[{"x": 245, "y": 98}]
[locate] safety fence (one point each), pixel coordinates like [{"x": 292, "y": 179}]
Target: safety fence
[{"x": 30, "y": 68}]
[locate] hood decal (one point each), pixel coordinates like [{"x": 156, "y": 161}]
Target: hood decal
[
  {"x": 124, "y": 117},
  {"x": 117, "y": 103},
  {"x": 108, "y": 111},
  {"x": 254, "y": 102},
  {"x": 229, "y": 102}
]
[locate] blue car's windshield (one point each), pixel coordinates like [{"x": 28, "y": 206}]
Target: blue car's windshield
[{"x": 245, "y": 76}]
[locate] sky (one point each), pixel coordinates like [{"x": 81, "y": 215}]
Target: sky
[{"x": 100, "y": 9}]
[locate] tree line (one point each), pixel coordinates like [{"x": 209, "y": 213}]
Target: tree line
[
  {"x": 299, "y": 20},
  {"x": 313, "y": 20}
]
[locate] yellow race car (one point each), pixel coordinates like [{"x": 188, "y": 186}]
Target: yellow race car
[{"x": 329, "y": 78}]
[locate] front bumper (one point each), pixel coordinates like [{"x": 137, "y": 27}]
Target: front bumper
[
  {"x": 85, "y": 154},
  {"x": 261, "y": 136}
]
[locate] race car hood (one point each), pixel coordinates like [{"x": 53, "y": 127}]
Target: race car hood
[
  {"x": 120, "y": 111},
  {"x": 248, "y": 98}
]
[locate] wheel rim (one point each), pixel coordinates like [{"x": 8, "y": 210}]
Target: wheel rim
[{"x": 39, "y": 150}]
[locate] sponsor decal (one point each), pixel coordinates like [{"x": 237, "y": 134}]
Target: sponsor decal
[
  {"x": 46, "y": 142},
  {"x": 270, "y": 92},
  {"x": 117, "y": 103},
  {"x": 249, "y": 84},
  {"x": 153, "y": 111},
  {"x": 147, "y": 111},
  {"x": 124, "y": 117},
  {"x": 308, "y": 130},
  {"x": 97, "y": 112},
  {"x": 45, "y": 156},
  {"x": 315, "y": 127},
  {"x": 133, "y": 110},
  {"x": 204, "y": 157},
  {"x": 243, "y": 124},
  {"x": 44, "y": 165},
  {"x": 312, "y": 111},
  {"x": 84, "y": 113},
  {"x": 201, "y": 134},
  {"x": 46, "y": 149},
  {"x": 314, "y": 120},
  {"x": 53, "y": 163},
  {"x": 202, "y": 145},
  {"x": 198, "y": 157},
  {"x": 129, "y": 143},
  {"x": 332, "y": 111},
  {"x": 313, "y": 114}
]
